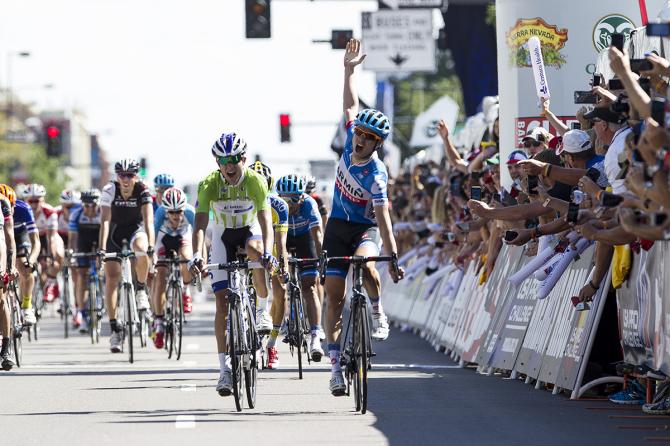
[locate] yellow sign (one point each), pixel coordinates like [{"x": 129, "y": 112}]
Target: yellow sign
[{"x": 552, "y": 40}]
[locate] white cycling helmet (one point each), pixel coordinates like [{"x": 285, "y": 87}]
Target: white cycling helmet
[
  {"x": 174, "y": 199},
  {"x": 229, "y": 144},
  {"x": 21, "y": 191},
  {"x": 69, "y": 196},
  {"x": 34, "y": 190}
]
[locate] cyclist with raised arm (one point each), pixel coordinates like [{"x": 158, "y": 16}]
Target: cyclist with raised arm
[
  {"x": 28, "y": 246},
  {"x": 127, "y": 214},
  {"x": 279, "y": 210},
  {"x": 162, "y": 182},
  {"x": 174, "y": 232},
  {"x": 238, "y": 198},
  {"x": 46, "y": 220},
  {"x": 305, "y": 236},
  {"x": 359, "y": 214},
  {"x": 7, "y": 271},
  {"x": 84, "y": 233}
]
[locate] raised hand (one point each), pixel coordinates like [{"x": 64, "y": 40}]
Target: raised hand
[{"x": 352, "y": 54}]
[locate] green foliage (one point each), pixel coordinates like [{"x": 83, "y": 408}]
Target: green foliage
[
  {"x": 416, "y": 93},
  {"x": 32, "y": 158},
  {"x": 491, "y": 15}
]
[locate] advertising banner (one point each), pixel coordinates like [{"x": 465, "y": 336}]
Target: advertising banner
[{"x": 571, "y": 34}]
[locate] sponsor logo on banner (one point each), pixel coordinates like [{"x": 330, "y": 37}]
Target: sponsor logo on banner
[
  {"x": 608, "y": 25},
  {"x": 552, "y": 40},
  {"x": 523, "y": 125}
]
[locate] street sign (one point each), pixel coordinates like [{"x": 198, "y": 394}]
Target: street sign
[
  {"x": 409, "y": 4},
  {"x": 399, "y": 41}
]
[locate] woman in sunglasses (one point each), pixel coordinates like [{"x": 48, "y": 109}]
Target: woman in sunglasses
[
  {"x": 359, "y": 216},
  {"x": 174, "y": 231},
  {"x": 536, "y": 140},
  {"x": 305, "y": 236},
  {"x": 242, "y": 220},
  {"x": 127, "y": 214}
]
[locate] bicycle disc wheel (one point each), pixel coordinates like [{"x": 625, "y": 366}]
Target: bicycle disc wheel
[
  {"x": 251, "y": 373},
  {"x": 235, "y": 363},
  {"x": 129, "y": 325},
  {"x": 362, "y": 360},
  {"x": 178, "y": 321}
]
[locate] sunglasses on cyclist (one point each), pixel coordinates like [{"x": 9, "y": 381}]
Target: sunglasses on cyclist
[
  {"x": 223, "y": 160},
  {"x": 90, "y": 205},
  {"x": 366, "y": 136},
  {"x": 175, "y": 212},
  {"x": 292, "y": 198},
  {"x": 126, "y": 175},
  {"x": 34, "y": 200},
  {"x": 528, "y": 143}
]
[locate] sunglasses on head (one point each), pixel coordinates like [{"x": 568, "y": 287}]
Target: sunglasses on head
[
  {"x": 528, "y": 143},
  {"x": 367, "y": 136},
  {"x": 223, "y": 160},
  {"x": 126, "y": 175},
  {"x": 175, "y": 212}
]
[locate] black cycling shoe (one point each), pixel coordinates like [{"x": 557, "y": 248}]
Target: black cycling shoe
[{"x": 7, "y": 362}]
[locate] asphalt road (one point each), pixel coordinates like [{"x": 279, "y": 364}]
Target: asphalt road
[{"x": 70, "y": 392}]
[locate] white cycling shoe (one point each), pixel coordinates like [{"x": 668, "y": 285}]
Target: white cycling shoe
[
  {"x": 263, "y": 322},
  {"x": 338, "y": 386},
  {"x": 225, "y": 385},
  {"x": 115, "y": 345},
  {"x": 29, "y": 316},
  {"x": 380, "y": 327},
  {"x": 315, "y": 350},
  {"x": 142, "y": 300}
]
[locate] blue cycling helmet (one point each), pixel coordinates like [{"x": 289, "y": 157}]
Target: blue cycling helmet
[
  {"x": 164, "y": 180},
  {"x": 375, "y": 121},
  {"x": 229, "y": 144},
  {"x": 291, "y": 185}
]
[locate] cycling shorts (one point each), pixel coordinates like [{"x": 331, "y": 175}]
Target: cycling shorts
[
  {"x": 225, "y": 245},
  {"x": 166, "y": 242},
  {"x": 303, "y": 247},
  {"x": 85, "y": 244},
  {"x": 343, "y": 238},
  {"x": 117, "y": 234}
]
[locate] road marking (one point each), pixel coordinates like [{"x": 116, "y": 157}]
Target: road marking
[
  {"x": 192, "y": 346},
  {"x": 190, "y": 363},
  {"x": 185, "y": 422},
  {"x": 188, "y": 387},
  {"x": 414, "y": 366}
]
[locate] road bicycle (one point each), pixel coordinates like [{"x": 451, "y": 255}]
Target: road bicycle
[
  {"x": 95, "y": 301},
  {"x": 174, "y": 305},
  {"x": 17, "y": 321},
  {"x": 355, "y": 359},
  {"x": 244, "y": 342}
]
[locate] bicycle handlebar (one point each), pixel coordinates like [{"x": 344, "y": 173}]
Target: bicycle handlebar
[{"x": 165, "y": 261}]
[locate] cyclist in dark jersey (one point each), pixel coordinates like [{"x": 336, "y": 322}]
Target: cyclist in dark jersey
[
  {"x": 7, "y": 269},
  {"x": 127, "y": 214},
  {"x": 310, "y": 189},
  {"x": 84, "y": 233},
  {"x": 28, "y": 246}
]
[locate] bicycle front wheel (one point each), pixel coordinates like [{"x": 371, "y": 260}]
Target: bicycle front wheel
[
  {"x": 92, "y": 313},
  {"x": 17, "y": 332},
  {"x": 129, "y": 326},
  {"x": 361, "y": 349},
  {"x": 251, "y": 372},
  {"x": 298, "y": 334},
  {"x": 178, "y": 312},
  {"x": 66, "y": 306},
  {"x": 234, "y": 351}
]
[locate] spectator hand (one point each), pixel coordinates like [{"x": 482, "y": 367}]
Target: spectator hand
[
  {"x": 588, "y": 186},
  {"x": 352, "y": 54},
  {"x": 627, "y": 219},
  {"x": 442, "y": 129},
  {"x": 545, "y": 112},
  {"x": 587, "y": 230},
  {"x": 606, "y": 97},
  {"x": 479, "y": 208},
  {"x": 532, "y": 167},
  {"x": 618, "y": 62},
  {"x": 635, "y": 180},
  {"x": 661, "y": 66},
  {"x": 542, "y": 192},
  {"x": 586, "y": 293},
  {"x": 522, "y": 238}
]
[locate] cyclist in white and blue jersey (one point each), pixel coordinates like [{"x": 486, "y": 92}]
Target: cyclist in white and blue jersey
[
  {"x": 174, "y": 232},
  {"x": 305, "y": 237},
  {"x": 359, "y": 216},
  {"x": 162, "y": 182}
]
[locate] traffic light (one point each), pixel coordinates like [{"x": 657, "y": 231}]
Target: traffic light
[
  {"x": 54, "y": 140},
  {"x": 143, "y": 167},
  {"x": 285, "y": 127},
  {"x": 258, "y": 19},
  {"x": 340, "y": 38}
]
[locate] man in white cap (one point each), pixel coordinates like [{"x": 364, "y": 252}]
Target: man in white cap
[
  {"x": 578, "y": 156},
  {"x": 536, "y": 140}
]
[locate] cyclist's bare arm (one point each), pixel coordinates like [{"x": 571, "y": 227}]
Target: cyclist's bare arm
[
  {"x": 352, "y": 58},
  {"x": 105, "y": 218},
  {"x": 36, "y": 246},
  {"x": 282, "y": 252},
  {"x": 265, "y": 221},
  {"x": 317, "y": 236},
  {"x": 148, "y": 217},
  {"x": 199, "y": 227},
  {"x": 385, "y": 228},
  {"x": 10, "y": 243}
]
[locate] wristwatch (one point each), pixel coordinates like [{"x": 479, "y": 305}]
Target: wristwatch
[{"x": 546, "y": 202}]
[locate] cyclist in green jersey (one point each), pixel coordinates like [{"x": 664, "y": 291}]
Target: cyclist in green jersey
[{"x": 241, "y": 219}]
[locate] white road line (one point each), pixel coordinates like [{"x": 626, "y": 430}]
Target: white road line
[
  {"x": 188, "y": 387},
  {"x": 192, "y": 346},
  {"x": 190, "y": 363},
  {"x": 185, "y": 422}
]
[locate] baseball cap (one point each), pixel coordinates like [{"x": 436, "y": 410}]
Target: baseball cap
[
  {"x": 575, "y": 141},
  {"x": 494, "y": 160},
  {"x": 538, "y": 134},
  {"x": 516, "y": 156},
  {"x": 604, "y": 114}
]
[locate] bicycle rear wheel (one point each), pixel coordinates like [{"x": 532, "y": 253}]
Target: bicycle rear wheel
[
  {"x": 234, "y": 350},
  {"x": 169, "y": 321},
  {"x": 143, "y": 327},
  {"x": 17, "y": 331},
  {"x": 66, "y": 306},
  {"x": 251, "y": 373},
  {"x": 92, "y": 312}
]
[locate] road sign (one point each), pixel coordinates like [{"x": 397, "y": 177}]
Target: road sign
[
  {"x": 409, "y": 4},
  {"x": 399, "y": 41}
]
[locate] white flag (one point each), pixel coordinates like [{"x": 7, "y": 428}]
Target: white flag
[{"x": 541, "y": 82}]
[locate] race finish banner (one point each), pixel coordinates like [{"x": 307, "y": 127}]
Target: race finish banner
[
  {"x": 399, "y": 41},
  {"x": 571, "y": 34}
]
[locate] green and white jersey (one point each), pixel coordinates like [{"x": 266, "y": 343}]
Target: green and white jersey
[{"x": 233, "y": 206}]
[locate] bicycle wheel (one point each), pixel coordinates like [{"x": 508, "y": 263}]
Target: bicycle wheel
[
  {"x": 169, "y": 320},
  {"x": 352, "y": 363},
  {"x": 92, "y": 313},
  {"x": 233, "y": 350},
  {"x": 297, "y": 329},
  {"x": 129, "y": 325},
  {"x": 362, "y": 358},
  {"x": 143, "y": 327},
  {"x": 66, "y": 306},
  {"x": 305, "y": 329},
  {"x": 17, "y": 331},
  {"x": 178, "y": 312},
  {"x": 251, "y": 372}
]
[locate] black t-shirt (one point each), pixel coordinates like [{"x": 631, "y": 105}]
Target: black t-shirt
[
  {"x": 561, "y": 191},
  {"x": 125, "y": 212}
]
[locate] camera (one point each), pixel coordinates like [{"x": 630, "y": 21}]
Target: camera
[
  {"x": 578, "y": 196},
  {"x": 593, "y": 174},
  {"x": 532, "y": 184},
  {"x": 658, "y": 110},
  {"x": 597, "y": 80},
  {"x": 617, "y": 41},
  {"x": 620, "y": 107},
  {"x": 476, "y": 193},
  {"x": 573, "y": 213},
  {"x": 585, "y": 97},
  {"x": 510, "y": 235},
  {"x": 615, "y": 84},
  {"x": 637, "y": 65}
]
